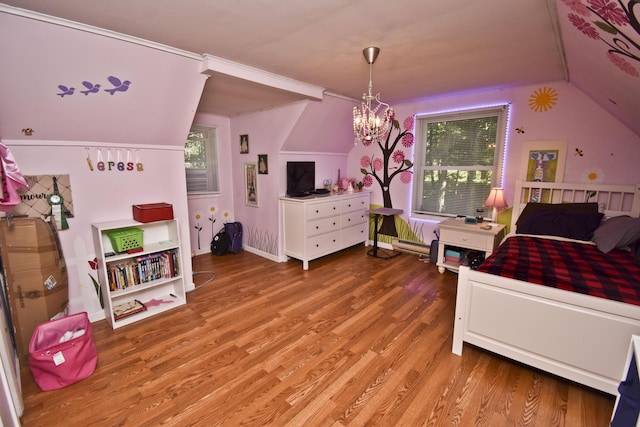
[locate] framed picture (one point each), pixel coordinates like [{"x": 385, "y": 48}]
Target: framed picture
[
  {"x": 251, "y": 184},
  {"x": 543, "y": 161},
  {"x": 263, "y": 164},
  {"x": 244, "y": 144}
]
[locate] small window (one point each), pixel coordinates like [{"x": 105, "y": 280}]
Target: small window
[
  {"x": 201, "y": 161},
  {"x": 458, "y": 159}
]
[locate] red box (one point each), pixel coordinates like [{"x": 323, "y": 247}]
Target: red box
[{"x": 152, "y": 212}]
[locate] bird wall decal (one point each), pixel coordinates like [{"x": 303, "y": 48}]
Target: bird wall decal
[
  {"x": 118, "y": 86},
  {"x": 65, "y": 91},
  {"x": 91, "y": 88}
]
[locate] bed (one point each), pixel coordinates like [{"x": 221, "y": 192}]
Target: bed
[{"x": 581, "y": 336}]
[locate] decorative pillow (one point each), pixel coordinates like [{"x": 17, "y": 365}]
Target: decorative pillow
[
  {"x": 572, "y": 225},
  {"x": 617, "y": 232},
  {"x": 534, "y": 208}
]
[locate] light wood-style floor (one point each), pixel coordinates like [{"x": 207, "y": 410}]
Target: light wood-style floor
[{"x": 353, "y": 341}]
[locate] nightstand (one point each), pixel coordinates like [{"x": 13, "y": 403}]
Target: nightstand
[{"x": 454, "y": 232}]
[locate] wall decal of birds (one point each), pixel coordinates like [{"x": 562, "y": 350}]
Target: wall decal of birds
[
  {"x": 91, "y": 88},
  {"x": 65, "y": 91},
  {"x": 118, "y": 86}
]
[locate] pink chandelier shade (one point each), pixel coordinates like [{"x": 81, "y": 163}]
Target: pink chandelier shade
[{"x": 495, "y": 201}]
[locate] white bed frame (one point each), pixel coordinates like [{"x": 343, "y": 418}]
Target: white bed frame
[{"x": 579, "y": 337}]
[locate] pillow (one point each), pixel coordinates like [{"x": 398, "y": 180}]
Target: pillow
[
  {"x": 533, "y": 208},
  {"x": 572, "y": 225},
  {"x": 617, "y": 232}
]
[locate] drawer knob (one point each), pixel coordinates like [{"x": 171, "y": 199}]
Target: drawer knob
[{"x": 317, "y": 227}]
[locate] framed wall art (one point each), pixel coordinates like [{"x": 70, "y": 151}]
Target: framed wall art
[
  {"x": 251, "y": 184},
  {"x": 244, "y": 144},
  {"x": 263, "y": 164},
  {"x": 543, "y": 161}
]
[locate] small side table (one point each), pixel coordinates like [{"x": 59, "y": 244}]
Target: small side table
[
  {"x": 378, "y": 213},
  {"x": 455, "y": 232}
]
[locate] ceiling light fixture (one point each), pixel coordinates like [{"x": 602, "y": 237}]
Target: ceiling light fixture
[{"x": 367, "y": 125}]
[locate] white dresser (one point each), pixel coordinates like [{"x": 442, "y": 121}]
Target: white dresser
[{"x": 315, "y": 226}]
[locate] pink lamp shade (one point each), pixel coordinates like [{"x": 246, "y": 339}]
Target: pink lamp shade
[{"x": 496, "y": 201}]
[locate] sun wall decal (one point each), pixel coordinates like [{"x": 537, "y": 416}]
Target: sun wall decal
[{"x": 543, "y": 99}]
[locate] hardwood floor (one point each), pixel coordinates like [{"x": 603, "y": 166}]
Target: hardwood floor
[{"x": 353, "y": 341}]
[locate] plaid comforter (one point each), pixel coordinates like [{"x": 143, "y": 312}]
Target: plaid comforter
[{"x": 571, "y": 266}]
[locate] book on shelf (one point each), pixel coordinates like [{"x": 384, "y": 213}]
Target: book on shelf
[
  {"x": 143, "y": 269},
  {"x": 128, "y": 308}
]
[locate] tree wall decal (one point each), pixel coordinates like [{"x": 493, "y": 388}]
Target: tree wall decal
[{"x": 392, "y": 163}]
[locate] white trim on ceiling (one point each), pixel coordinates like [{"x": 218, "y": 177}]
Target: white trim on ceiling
[
  {"x": 95, "y": 30},
  {"x": 213, "y": 64}
]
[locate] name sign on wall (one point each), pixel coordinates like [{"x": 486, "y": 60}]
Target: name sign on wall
[{"x": 115, "y": 163}]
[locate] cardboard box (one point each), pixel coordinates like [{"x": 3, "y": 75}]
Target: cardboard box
[
  {"x": 35, "y": 274},
  {"x": 152, "y": 212}
]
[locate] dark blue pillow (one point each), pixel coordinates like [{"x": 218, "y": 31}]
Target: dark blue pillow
[{"x": 573, "y": 225}]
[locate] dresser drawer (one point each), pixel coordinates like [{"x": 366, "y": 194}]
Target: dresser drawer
[
  {"x": 321, "y": 210},
  {"x": 355, "y": 234},
  {"x": 323, "y": 244},
  {"x": 353, "y": 218},
  {"x": 464, "y": 239},
  {"x": 354, "y": 204},
  {"x": 322, "y": 225}
]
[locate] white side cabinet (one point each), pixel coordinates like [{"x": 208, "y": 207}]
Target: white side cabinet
[
  {"x": 317, "y": 226},
  {"x": 153, "y": 276}
]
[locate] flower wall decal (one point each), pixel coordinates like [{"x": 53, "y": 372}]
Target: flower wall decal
[
  {"x": 94, "y": 266},
  {"x": 592, "y": 175},
  {"x": 612, "y": 22}
]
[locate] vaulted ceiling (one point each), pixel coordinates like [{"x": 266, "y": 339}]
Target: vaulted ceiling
[{"x": 428, "y": 48}]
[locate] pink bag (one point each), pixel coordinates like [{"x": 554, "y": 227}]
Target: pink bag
[{"x": 62, "y": 352}]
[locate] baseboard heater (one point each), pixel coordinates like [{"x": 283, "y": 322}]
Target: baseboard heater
[{"x": 411, "y": 247}]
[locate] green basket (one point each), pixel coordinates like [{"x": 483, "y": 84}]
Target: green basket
[{"x": 125, "y": 239}]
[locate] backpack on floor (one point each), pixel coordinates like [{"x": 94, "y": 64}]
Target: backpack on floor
[
  {"x": 221, "y": 243},
  {"x": 234, "y": 230}
]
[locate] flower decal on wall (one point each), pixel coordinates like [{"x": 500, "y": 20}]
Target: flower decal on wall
[
  {"x": 212, "y": 209},
  {"x": 198, "y": 226},
  {"x": 614, "y": 24},
  {"x": 543, "y": 99},
  {"x": 391, "y": 161},
  {"x": 94, "y": 266},
  {"x": 592, "y": 175}
]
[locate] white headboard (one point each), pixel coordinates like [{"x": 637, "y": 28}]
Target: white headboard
[{"x": 613, "y": 200}]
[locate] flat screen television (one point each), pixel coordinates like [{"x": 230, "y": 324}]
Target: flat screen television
[{"x": 301, "y": 178}]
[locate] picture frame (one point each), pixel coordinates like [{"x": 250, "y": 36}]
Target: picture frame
[
  {"x": 251, "y": 184},
  {"x": 244, "y": 144},
  {"x": 543, "y": 161},
  {"x": 263, "y": 164}
]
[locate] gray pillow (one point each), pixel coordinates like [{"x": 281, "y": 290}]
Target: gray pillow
[{"x": 617, "y": 232}]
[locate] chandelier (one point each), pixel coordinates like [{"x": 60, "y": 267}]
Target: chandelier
[{"x": 368, "y": 126}]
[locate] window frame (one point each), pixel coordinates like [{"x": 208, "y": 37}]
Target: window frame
[
  {"x": 213, "y": 169},
  {"x": 422, "y": 121}
]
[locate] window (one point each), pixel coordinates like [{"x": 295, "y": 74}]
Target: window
[
  {"x": 458, "y": 159},
  {"x": 201, "y": 161}
]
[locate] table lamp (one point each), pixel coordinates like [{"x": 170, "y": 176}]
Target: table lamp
[{"x": 495, "y": 201}]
